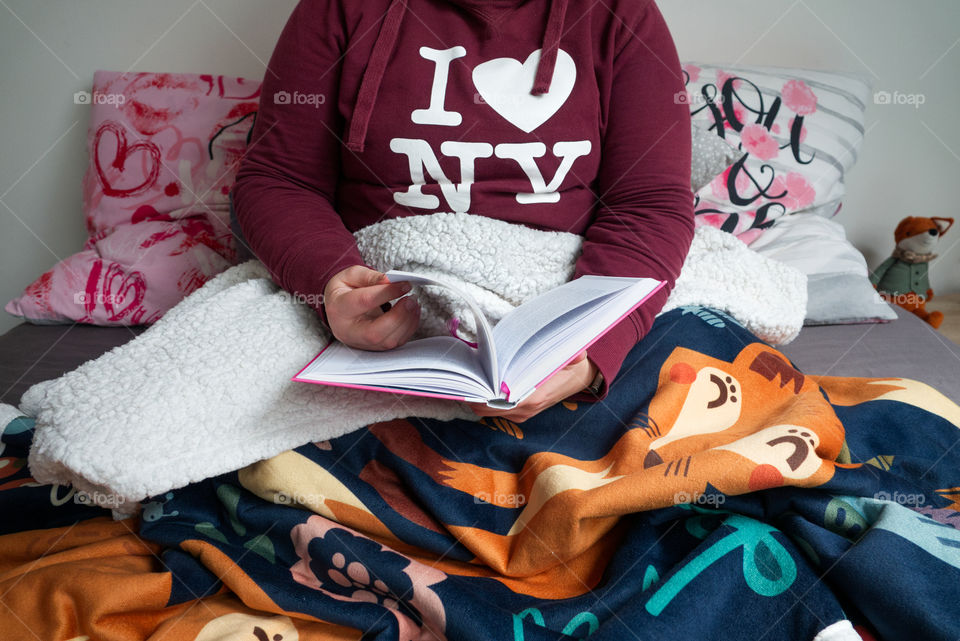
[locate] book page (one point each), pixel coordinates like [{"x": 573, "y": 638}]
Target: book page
[
  {"x": 427, "y": 359},
  {"x": 563, "y": 339},
  {"x": 561, "y": 323},
  {"x": 485, "y": 342},
  {"x": 527, "y": 321},
  {"x": 553, "y": 337},
  {"x": 450, "y": 385}
]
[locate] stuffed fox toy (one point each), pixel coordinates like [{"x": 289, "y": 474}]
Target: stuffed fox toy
[{"x": 904, "y": 277}]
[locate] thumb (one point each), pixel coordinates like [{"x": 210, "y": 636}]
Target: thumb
[
  {"x": 372, "y": 277},
  {"x": 358, "y": 276},
  {"x": 579, "y": 357}
]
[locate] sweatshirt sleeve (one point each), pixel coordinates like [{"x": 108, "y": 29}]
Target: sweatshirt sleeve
[
  {"x": 643, "y": 222},
  {"x": 284, "y": 195}
]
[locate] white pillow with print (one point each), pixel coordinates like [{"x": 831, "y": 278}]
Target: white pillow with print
[
  {"x": 801, "y": 131},
  {"x": 838, "y": 290}
]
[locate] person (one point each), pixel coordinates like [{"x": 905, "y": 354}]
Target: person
[{"x": 559, "y": 116}]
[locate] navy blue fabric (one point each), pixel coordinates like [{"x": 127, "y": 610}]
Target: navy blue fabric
[{"x": 878, "y": 543}]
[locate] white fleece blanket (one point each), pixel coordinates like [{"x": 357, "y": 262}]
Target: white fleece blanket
[{"x": 207, "y": 389}]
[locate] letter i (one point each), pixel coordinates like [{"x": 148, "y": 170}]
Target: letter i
[{"x": 436, "y": 114}]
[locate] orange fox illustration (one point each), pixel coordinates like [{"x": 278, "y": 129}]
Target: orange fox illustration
[{"x": 747, "y": 425}]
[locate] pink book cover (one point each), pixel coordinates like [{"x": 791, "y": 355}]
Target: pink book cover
[{"x": 455, "y": 397}]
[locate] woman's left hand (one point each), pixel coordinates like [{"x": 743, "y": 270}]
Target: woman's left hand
[{"x": 573, "y": 378}]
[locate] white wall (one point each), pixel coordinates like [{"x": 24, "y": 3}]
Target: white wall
[{"x": 49, "y": 49}]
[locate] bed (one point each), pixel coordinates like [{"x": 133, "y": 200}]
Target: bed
[
  {"x": 204, "y": 562},
  {"x": 871, "y": 350},
  {"x": 811, "y": 492}
]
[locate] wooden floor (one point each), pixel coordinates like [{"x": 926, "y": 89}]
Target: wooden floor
[{"x": 950, "y": 306}]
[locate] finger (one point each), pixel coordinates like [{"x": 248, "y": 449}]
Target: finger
[
  {"x": 561, "y": 385},
  {"x": 516, "y": 415},
  {"x": 363, "y": 300},
  {"x": 530, "y": 406},
  {"x": 360, "y": 276},
  {"x": 393, "y": 328},
  {"x": 513, "y": 415},
  {"x": 351, "y": 278},
  {"x": 574, "y": 376},
  {"x": 409, "y": 314},
  {"x": 481, "y": 409}
]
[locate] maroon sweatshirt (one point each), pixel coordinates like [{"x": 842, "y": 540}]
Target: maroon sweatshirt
[{"x": 559, "y": 116}]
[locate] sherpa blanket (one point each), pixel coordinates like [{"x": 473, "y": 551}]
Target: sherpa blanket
[
  {"x": 720, "y": 494},
  {"x": 207, "y": 389}
]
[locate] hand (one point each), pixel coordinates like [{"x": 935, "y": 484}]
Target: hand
[
  {"x": 573, "y": 378},
  {"x": 353, "y": 300}
]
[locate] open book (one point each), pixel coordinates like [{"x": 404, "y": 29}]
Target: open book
[{"x": 529, "y": 344}]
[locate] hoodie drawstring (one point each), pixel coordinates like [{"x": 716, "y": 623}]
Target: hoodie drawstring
[
  {"x": 549, "y": 48},
  {"x": 387, "y": 39},
  {"x": 373, "y": 75}
]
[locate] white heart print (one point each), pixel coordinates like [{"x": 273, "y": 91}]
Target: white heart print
[{"x": 505, "y": 85}]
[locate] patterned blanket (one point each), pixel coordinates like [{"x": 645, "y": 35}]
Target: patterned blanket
[{"x": 716, "y": 493}]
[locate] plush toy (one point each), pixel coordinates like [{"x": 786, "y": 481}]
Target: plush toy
[{"x": 903, "y": 278}]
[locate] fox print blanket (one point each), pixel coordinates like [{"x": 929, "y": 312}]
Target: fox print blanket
[{"x": 718, "y": 492}]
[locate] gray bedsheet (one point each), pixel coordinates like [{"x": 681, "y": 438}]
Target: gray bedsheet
[
  {"x": 33, "y": 353},
  {"x": 906, "y": 348}
]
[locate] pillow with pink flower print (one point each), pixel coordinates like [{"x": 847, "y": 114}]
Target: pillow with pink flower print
[
  {"x": 801, "y": 131},
  {"x": 163, "y": 154}
]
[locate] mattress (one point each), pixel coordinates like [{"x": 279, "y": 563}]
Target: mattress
[
  {"x": 906, "y": 347},
  {"x": 33, "y": 353}
]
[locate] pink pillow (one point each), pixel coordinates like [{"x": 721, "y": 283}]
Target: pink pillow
[
  {"x": 164, "y": 150},
  {"x": 801, "y": 130}
]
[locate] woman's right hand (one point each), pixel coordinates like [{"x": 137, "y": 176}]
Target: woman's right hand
[{"x": 353, "y": 299}]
